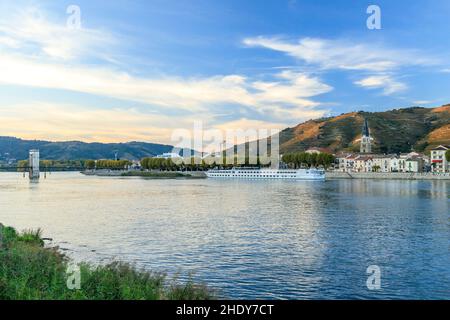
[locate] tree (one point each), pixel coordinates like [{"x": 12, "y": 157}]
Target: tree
[
  {"x": 46, "y": 163},
  {"x": 287, "y": 158},
  {"x": 329, "y": 159},
  {"x": 376, "y": 168},
  {"x": 312, "y": 160},
  {"x": 300, "y": 159},
  {"x": 447, "y": 155},
  {"x": 113, "y": 164},
  {"x": 89, "y": 164},
  {"x": 22, "y": 165}
]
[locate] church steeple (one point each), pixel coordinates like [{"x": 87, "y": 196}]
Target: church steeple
[
  {"x": 365, "y": 130},
  {"x": 366, "y": 143}
]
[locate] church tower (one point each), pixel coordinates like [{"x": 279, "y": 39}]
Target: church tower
[{"x": 366, "y": 143}]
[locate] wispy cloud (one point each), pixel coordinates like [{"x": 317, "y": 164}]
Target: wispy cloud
[
  {"x": 375, "y": 61},
  {"x": 194, "y": 94},
  {"x": 424, "y": 102},
  {"x": 386, "y": 82},
  {"x": 341, "y": 54},
  {"x": 30, "y": 30}
]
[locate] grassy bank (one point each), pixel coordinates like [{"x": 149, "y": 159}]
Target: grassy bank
[
  {"x": 160, "y": 175},
  {"x": 30, "y": 271}
]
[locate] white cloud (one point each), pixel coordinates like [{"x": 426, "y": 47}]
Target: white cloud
[
  {"x": 446, "y": 70},
  {"x": 194, "y": 94},
  {"x": 340, "y": 54},
  {"x": 386, "y": 82},
  {"x": 423, "y": 102},
  {"x": 374, "y": 60},
  {"x": 9, "y": 42},
  {"x": 31, "y": 30}
]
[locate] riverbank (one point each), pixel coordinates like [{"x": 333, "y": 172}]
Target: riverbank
[
  {"x": 386, "y": 176},
  {"x": 30, "y": 271},
  {"x": 154, "y": 174}
]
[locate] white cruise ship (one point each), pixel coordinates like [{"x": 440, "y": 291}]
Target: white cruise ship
[{"x": 257, "y": 173}]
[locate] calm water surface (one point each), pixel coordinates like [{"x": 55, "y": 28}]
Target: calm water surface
[{"x": 250, "y": 239}]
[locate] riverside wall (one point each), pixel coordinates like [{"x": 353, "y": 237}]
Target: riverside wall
[{"x": 388, "y": 175}]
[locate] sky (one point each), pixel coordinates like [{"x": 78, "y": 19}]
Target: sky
[{"x": 139, "y": 70}]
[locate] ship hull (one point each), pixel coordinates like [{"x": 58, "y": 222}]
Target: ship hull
[{"x": 266, "y": 174}]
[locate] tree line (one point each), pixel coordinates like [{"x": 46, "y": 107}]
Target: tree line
[
  {"x": 305, "y": 159},
  {"x": 196, "y": 163},
  {"x": 55, "y": 165},
  {"x": 177, "y": 164},
  {"x": 158, "y": 163},
  {"x": 22, "y": 165},
  {"x": 108, "y": 164}
]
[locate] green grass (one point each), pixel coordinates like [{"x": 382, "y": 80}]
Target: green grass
[{"x": 28, "y": 271}]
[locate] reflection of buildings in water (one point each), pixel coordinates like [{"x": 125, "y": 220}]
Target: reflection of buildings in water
[
  {"x": 399, "y": 196},
  {"x": 391, "y": 188},
  {"x": 440, "y": 194},
  {"x": 440, "y": 189}
]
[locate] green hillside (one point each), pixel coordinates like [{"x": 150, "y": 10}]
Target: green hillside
[
  {"x": 18, "y": 149},
  {"x": 394, "y": 131}
]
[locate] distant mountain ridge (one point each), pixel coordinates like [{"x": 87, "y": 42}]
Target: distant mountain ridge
[
  {"x": 394, "y": 131},
  {"x": 75, "y": 150}
]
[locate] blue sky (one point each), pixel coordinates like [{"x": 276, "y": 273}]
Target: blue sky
[{"x": 138, "y": 70}]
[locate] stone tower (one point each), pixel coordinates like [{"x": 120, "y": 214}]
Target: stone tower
[
  {"x": 33, "y": 164},
  {"x": 366, "y": 140}
]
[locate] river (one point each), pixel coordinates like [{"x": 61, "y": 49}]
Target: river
[{"x": 250, "y": 239}]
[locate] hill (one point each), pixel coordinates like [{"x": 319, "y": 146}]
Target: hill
[
  {"x": 70, "y": 150},
  {"x": 395, "y": 131}
]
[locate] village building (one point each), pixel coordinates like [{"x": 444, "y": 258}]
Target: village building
[
  {"x": 168, "y": 155},
  {"x": 382, "y": 163},
  {"x": 346, "y": 162},
  {"x": 413, "y": 162},
  {"x": 364, "y": 163},
  {"x": 439, "y": 163}
]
